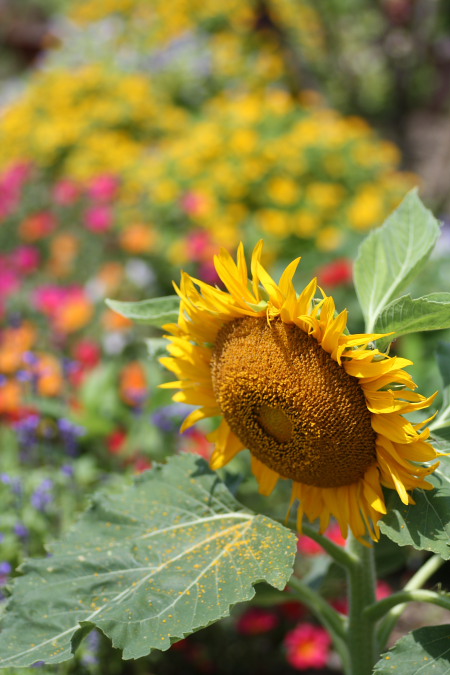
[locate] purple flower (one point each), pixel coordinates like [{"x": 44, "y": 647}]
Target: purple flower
[
  {"x": 24, "y": 376},
  {"x": 21, "y": 530},
  {"x": 68, "y": 470},
  {"x": 5, "y": 571},
  {"x": 70, "y": 433},
  {"x": 13, "y": 481},
  {"x": 169, "y": 418},
  {"x": 27, "y": 430},
  {"x": 30, "y": 358},
  {"x": 42, "y": 496}
]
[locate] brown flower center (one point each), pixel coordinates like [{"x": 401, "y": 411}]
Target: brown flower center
[{"x": 291, "y": 404}]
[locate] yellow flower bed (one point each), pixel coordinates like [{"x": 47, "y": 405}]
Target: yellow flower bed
[
  {"x": 84, "y": 122},
  {"x": 278, "y": 165}
]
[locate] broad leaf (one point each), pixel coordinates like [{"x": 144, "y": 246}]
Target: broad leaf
[
  {"x": 391, "y": 256},
  {"x": 426, "y": 650},
  {"x": 146, "y": 565},
  {"x": 153, "y": 312},
  {"x": 408, "y": 315},
  {"x": 424, "y": 525}
]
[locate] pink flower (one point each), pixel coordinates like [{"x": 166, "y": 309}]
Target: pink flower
[
  {"x": 104, "y": 188},
  {"x": 9, "y": 281},
  {"x": 16, "y": 175},
  {"x": 192, "y": 203},
  {"x": 383, "y": 590},
  {"x": 307, "y": 646},
  {"x": 49, "y": 298},
  {"x": 11, "y": 183},
  {"x": 66, "y": 192},
  {"x": 98, "y": 218},
  {"x": 198, "y": 244},
  {"x": 256, "y": 621},
  {"x": 207, "y": 272},
  {"x": 26, "y": 259}
]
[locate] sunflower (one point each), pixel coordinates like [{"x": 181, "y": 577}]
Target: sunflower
[{"x": 311, "y": 402}]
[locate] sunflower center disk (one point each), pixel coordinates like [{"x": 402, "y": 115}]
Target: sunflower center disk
[{"x": 291, "y": 404}]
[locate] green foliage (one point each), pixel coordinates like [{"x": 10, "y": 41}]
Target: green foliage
[
  {"x": 390, "y": 257},
  {"x": 411, "y": 315},
  {"x": 425, "y": 524},
  {"x": 423, "y": 650},
  {"x": 147, "y": 565},
  {"x": 443, "y": 359},
  {"x": 153, "y": 312}
]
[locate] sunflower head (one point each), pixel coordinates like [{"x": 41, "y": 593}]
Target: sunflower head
[{"x": 311, "y": 402}]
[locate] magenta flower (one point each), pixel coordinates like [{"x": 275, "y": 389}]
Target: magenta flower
[
  {"x": 104, "y": 188},
  {"x": 66, "y": 192},
  {"x": 98, "y": 218},
  {"x": 307, "y": 646},
  {"x": 26, "y": 259}
]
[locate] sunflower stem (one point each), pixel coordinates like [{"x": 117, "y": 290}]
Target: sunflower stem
[
  {"x": 340, "y": 555},
  {"x": 361, "y": 594},
  {"x": 334, "y": 621},
  {"x": 416, "y": 582}
]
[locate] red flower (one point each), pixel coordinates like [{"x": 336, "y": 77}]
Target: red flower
[
  {"x": 88, "y": 353},
  {"x": 307, "y": 646},
  {"x": 335, "y": 273},
  {"x": 115, "y": 441},
  {"x": 308, "y": 546},
  {"x": 256, "y": 621}
]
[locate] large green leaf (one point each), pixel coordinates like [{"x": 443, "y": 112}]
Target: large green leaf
[
  {"x": 408, "y": 315},
  {"x": 391, "y": 256},
  {"x": 146, "y": 565},
  {"x": 426, "y": 650},
  {"x": 425, "y": 524},
  {"x": 153, "y": 312}
]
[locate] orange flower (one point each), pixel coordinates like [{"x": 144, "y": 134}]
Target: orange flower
[
  {"x": 133, "y": 384},
  {"x": 50, "y": 377},
  {"x": 37, "y": 226},
  {"x": 14, "y": 342},
  {"x": 115, "y": 322},
  {"x": 111, "y": 276},
  {"x": 74, "y": 314},
  {"x": 64, "y": 249},
  {"x": 138, "y": 238},
  {"x": 10, "y": 396}
]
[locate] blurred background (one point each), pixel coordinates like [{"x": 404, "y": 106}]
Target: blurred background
[{"x": 137, "y": 137}]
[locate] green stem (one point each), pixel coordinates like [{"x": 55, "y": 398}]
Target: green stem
[
  {"x": 333, "y": 621},
  {"x": 417, "y": 581},
  {"x": 361, "y": 630},
  {"x": 379, "y": 609},
  {"x": 339, "y": 554}
]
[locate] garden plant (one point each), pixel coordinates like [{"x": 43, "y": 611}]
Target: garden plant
[
  {"x": 224, "y": 382},
  {"x": 331, "y": 411}
]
